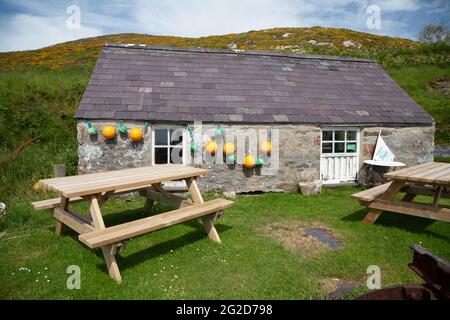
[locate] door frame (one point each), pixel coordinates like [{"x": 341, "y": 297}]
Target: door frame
[{"x": 358, "y": 148}]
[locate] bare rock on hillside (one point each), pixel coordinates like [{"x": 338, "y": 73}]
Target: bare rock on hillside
[
  {"x": 443, "y": 86},
  {"x": 287, "y": 35},
  {"x": 286, "y": 47},
  {"x": 350, "y": 43}
]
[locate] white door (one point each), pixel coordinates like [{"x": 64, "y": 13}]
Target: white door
[{"x": 339, "y": 154}]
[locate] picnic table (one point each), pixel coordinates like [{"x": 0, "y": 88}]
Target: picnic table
[
  {"x": 96, "y": 188},
  {"x": 430, "y": 179}
]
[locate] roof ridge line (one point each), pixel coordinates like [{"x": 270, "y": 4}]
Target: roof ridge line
[{"x": 243, "y": 52}]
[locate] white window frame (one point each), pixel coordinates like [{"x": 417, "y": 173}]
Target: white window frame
[
  {"x": 345, "y": 153},
  {"x": 168, "y": 127}
]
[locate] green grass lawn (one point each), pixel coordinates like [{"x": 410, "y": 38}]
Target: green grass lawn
[{"x": 181, "y": 263}]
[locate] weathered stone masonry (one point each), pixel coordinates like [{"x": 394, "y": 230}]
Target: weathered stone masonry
[
  {"x": 96, "y": 154},
  {"x": 299, "y": 154}
]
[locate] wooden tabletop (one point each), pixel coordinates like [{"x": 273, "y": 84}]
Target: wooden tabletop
[
  {"x": 87, "y": 184},
  {"x": 434, "y": 173}
]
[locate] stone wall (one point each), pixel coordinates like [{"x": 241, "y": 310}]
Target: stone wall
[
  {"x": 299, "y": 154},
  {"x": 96, "y": 154},
  {"x": 299, "y": 160},
  {"x": 411, "y": 145}
]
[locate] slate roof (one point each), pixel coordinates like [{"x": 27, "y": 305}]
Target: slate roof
[{"x": 136, "y": 82}]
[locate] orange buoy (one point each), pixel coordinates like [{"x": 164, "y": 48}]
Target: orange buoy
[
  {"x": 229, "y": 148},
  {"x": 109, "y": 132},
  {"x": 266, "y": 147},
  {"x": 249, "y": 161},
  {"x": 135, "y": 134},
  {"x": 211, "y": 147}
]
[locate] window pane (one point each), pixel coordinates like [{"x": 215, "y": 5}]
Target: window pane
[
  {"x": 327, "y": 135},
  {"x": 351, "y": 147},
  {"x": 327, "y": 147},
  {"x": 176, "y": 155},
  {"x": 339, "y": 147},
  {"x": 176, "y": 136},
  {"x": 161, "y": 137},
  {"x": 351, "y": 135},
  {"x": 339, "y": 135},
  {"x": 160, "y": 155}
]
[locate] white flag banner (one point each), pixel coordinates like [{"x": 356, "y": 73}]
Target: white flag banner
[{"x": 382, "y": 151}]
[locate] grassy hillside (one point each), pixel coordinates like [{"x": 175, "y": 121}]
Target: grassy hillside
[
  {"x": 41, "y": 89},
  {"x": 331, "y": 41},
  {"x": 37, "y": 103},
  {"x": 415, "y": 81}
]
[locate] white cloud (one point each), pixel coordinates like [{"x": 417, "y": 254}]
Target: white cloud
[
  {"x": 200, "y": 18},
  {"x": 24, "y": 32},
  {"x": 398, "y": 5}
]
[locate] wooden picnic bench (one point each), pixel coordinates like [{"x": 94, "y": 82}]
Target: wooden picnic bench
[
  {"x": 430, "y": 179},
  {"x": 96, "y": 188}
]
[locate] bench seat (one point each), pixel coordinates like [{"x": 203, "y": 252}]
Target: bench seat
[
  {"x": 139, "y": 227},
  {"x": 52, "y": 203},
  {"x": 367, "y": 196}
]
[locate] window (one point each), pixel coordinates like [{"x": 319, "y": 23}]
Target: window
[
  {"x": 168, "y": 144},
  {"x": 339, "y": 141}
]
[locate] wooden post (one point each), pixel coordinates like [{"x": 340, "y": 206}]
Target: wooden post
[
  {"x": 148, "y": 205},
  {"x": 59, "y": 170},
  {"x": 196, "y": 195},
  {"x": 103, "y": 198},
  {"x": 109, "y": 250},
  {"x": 409, "y": 197},
  {"x": 59, "y": 225},
  {"x": 437, "y": 196},
  {"x": 389, "y": 194}
]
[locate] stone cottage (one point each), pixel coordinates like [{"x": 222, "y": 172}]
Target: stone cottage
[{"x": 327, "y": 112}]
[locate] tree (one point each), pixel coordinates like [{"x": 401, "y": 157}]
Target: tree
[{"x": 434, "y": 33}]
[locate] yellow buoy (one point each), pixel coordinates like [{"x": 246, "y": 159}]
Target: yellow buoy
[
  {"x": 229, "y": 148},
  {"x": 266, "y": 147},
  {"x": 211, "y": 147},
  {"x": 109, "y": 132},
  {"x": 249, "y": 161},
  {"x": 40, "y": 187},
  {"x": 135, "y": 134}
]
